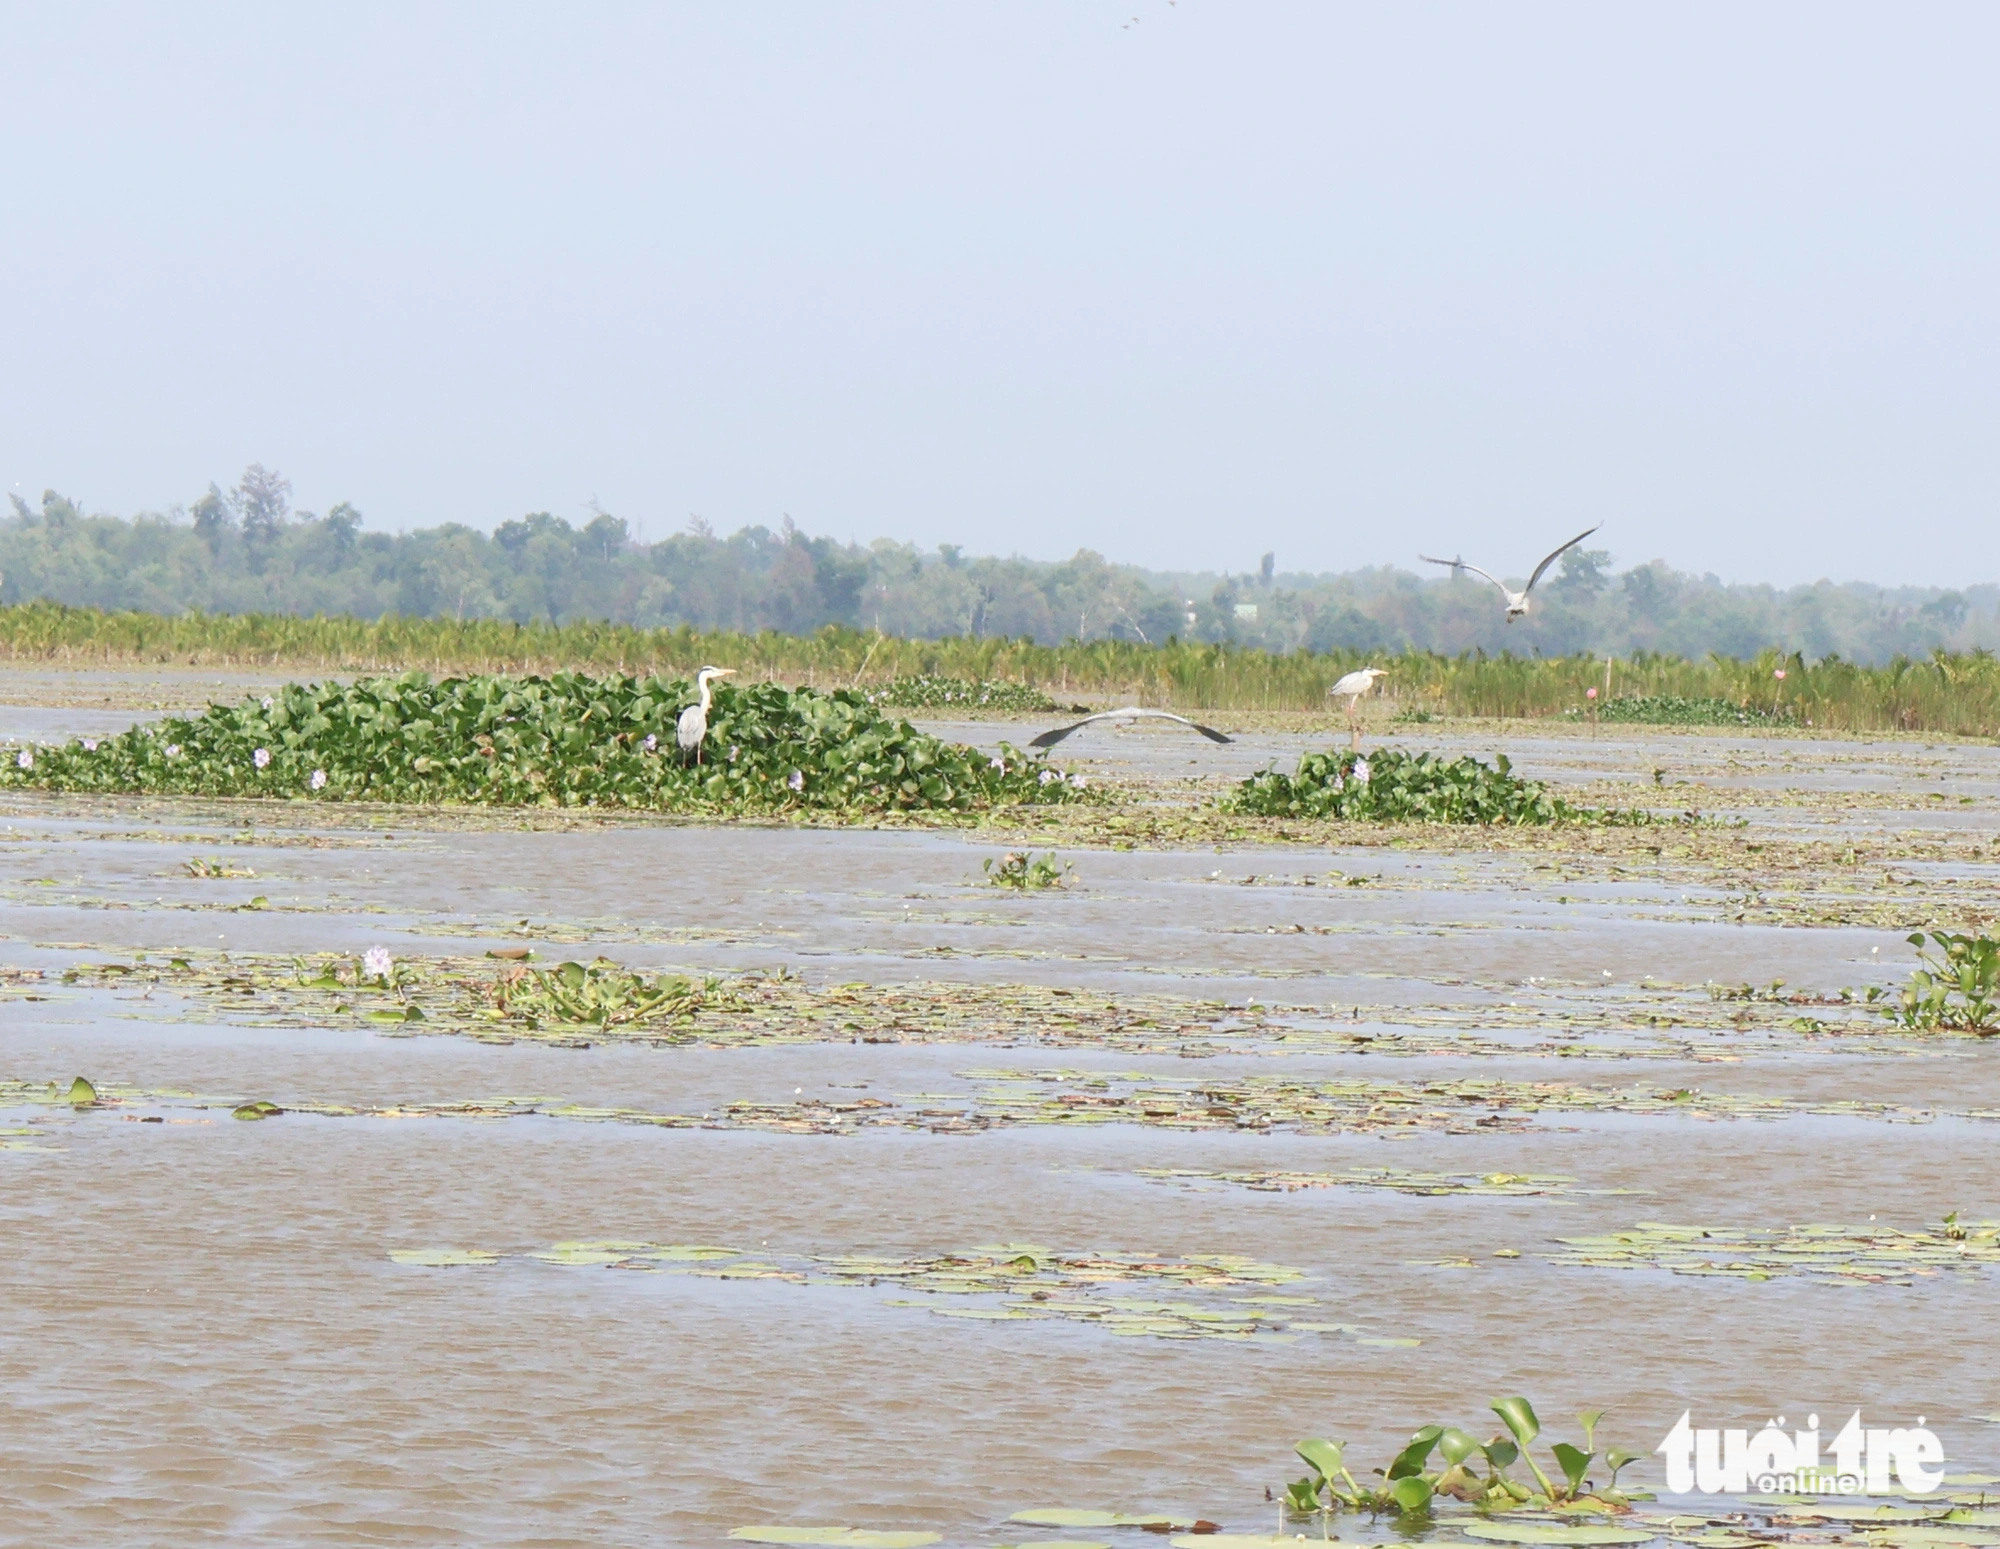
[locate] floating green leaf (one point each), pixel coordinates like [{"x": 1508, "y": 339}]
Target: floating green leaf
[{"x": 1563, "y": 1533}]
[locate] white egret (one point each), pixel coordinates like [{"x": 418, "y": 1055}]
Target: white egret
[
  {"x": 693, "y": 725},
  {"x": 1517, "y": 602},
  {"x": 1352, "y": 687},
  {"x": 1049, "y": 739}
]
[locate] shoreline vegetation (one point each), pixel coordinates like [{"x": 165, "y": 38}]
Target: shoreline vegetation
[{"x": 1944, "y": 694}]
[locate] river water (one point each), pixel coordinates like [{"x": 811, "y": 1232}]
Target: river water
[{"x": 206, "y": 1338}]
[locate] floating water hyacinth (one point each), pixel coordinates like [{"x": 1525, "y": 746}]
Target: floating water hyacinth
[
  {"x": 376, "y": 963},
  {"x": 1397, "y": 787},
  {"x": 567, "y": 740}
]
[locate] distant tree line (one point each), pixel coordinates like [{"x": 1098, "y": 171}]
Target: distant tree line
[{"x": 246, "y": 549}]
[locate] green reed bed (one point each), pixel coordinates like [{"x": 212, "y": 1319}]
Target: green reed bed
[
  {"x": 1942, "y": 693},
  {"x": 566, "y": 740}
]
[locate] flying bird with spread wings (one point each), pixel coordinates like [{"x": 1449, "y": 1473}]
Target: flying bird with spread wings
[
  {"x": 1049, "y": 739},
  {"x": 1517, "y": 602}
]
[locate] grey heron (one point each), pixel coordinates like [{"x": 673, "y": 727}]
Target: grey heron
[
  {"x": 1049, "y": 739},
  {"x": 1517, "y": 602},
  {"x": 1351, "y": 687},
  {"x": 692, "y": 728}
]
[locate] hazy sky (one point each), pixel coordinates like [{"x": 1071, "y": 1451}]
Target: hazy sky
[{"x": 1345, "y": 282}]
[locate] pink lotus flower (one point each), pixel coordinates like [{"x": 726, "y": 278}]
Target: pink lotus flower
[
  {"x": 1590, "y": 693},
  {"x": 1779, "y": 674}
]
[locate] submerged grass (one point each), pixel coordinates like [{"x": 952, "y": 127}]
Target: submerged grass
[
  {"x": 1943, "y": 693},
  {"x": 569, "y": 740}
]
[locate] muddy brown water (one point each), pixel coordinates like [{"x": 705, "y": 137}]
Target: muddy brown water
[{"x": 206, "y": 1339}]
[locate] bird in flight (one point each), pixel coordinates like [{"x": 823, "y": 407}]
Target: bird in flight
[
  {"x": 1517, "y": 602},
  {"x": 1049, "y": 739}
]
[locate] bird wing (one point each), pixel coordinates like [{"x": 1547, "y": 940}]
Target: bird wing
[
  {"x": 1544, "y": 565},
  {"x": 1459, "y": 564},
  {"x": 1049, "y": 739}
]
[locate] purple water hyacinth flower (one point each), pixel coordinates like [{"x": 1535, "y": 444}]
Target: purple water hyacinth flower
[
  {"x": 261, "y": 758},
  {"x": 25, "y": 759},
  {"x": 318, "y": 781},
  {"x": 796, "y": 779},
  {"x": 376, "y": 963}
]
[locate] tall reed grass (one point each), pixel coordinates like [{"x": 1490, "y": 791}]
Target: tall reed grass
[{"x": 1943, "y": 693}]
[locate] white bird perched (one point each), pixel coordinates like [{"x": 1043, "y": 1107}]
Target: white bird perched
[
  {"x": 1049, "y": 739},
  {"x": 692, "y": 727},
  {"x": 1517, "y": 602},
  {"x": 1351, "y": 687}
]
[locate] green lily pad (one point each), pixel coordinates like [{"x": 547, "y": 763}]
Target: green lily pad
[
  {"x": 854, "y": 1537},
  {"x": 1557, "y": 1533},
  {"x": 256, "y": 1110},
  {"x": 81, "y": 1092},
  {"x": 443, "y": 1258}
]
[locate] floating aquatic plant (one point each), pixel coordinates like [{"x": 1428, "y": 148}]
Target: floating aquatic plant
[
  {"x": 567, "y": 740},
  {"x": 1198, "y": 1296},
  {"x": 1023, "y": 872},
  {"x": 1469, "y": 1470},
  {"x": 1678, "y": 710},
  {"x": 1956, "y": 988},
  {"x": 932, "y": 692},
  {"x": 1841, "y": 1255},
  {"x": 1391, "y": 786}
]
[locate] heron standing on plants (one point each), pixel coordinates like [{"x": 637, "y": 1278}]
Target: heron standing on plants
[
  {"x": 692, "y": 728},
  {"x": 1352, "y": 687}
]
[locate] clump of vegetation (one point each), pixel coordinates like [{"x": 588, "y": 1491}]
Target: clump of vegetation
[
  {"x": 567, "y": 740},
  {"x": 1390, "y": 786},
  {"x": 1024, "y": 872},
  {"x": 1674, "y": 710},
  {"x": 931, "y": 692},
  {"x": 1411, "y": 1482},
  {"x": 599, "y": 994},
  {"x": 1956, "y": 988}
]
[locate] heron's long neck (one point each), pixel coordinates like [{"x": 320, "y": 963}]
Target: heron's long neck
[{"x": 707, "y": 696}]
